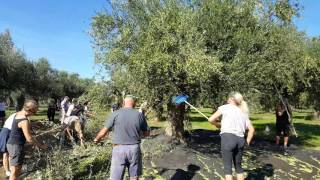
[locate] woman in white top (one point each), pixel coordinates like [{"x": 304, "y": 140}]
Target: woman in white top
[
  {"x": 4, "y": 136},
  {"x": 235, "y": 121},
  {"x": 64, "y": 107},
  {"x": 2, "y": 112},
  {"x": 74, "y": 102}
]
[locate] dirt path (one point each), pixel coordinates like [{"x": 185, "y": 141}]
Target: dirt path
[{"x": 201, "y": 160}]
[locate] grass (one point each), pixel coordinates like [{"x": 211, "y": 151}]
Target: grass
[{"x": 307, "y": 129}]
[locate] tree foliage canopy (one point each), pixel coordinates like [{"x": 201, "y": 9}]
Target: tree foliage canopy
[
  {"x": 37, "y": 79},
  {"x": 204, "y": 48}
]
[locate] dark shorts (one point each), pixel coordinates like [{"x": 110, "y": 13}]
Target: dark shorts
[
  {"x": 2, "y": 114},
  {"x": 4, "y": 136},
  {"x": 232, "y": 151},
  {"x": 283, "y": 130},
  {"x": 16, "y": 154},
  {"x": 126, "y": 156}
]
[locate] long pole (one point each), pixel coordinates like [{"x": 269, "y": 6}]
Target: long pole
[
  {"x": 45, "y": 132},
  {"x": 285, "y": 106},
  {"x": 196, "y": 109}
]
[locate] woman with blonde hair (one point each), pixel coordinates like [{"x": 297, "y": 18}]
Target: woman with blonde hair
[
  {"x": 235, "y": 121},
  {"x": 20, "y": 133}
]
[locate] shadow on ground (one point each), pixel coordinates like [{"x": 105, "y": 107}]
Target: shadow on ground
[{"x": 201, "y": 159}]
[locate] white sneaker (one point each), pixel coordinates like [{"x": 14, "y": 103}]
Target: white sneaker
[{"x": 8, "y": 173}]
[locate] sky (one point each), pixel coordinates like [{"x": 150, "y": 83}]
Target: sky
[
  {"x": 58, "y": 29},
  {"x": 309, "y": 21},
  {"x": 54, "y": 29}
]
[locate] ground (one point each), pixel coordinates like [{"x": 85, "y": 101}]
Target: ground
[{"x": 201, "y": 160}]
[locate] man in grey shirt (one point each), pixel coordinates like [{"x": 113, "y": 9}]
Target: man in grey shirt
[{"x": 128, "y": 126}]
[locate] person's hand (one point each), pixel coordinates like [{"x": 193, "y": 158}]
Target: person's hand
[{"x": 96, "y": 141}]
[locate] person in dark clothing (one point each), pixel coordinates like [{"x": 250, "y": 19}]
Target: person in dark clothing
[
  {"x": 51, "y": 111},
  {"x": 78, "y": 110},
  {"x": 19, "y": 135},
  {"x": 115, "y": 107},
  {"x": 282, "y": 124}
]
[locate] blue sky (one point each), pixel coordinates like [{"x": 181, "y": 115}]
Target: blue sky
[
  {"x": 57, "y": 29},
  {"x": 310, "y": 17}
]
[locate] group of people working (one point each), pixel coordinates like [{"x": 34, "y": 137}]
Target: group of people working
[
  {"x": 73, "y": 119},
  {"x": 129, "y": 126},
  {"x": 16, "y": 132}
]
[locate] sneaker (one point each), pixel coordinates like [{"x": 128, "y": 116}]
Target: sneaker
[{"x": 8, "y": 173}]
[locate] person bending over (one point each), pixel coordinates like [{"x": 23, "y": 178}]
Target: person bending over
[{"x": 71, "y": 127}]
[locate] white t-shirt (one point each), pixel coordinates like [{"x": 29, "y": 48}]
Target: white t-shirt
[
  {"x": 70, "y": 109},
  {"x": 2, "y": 106},
  {"x": 70, "y": 119},
  {"x": 9, "y": 121},
  {"x": 233, "y": 121}
]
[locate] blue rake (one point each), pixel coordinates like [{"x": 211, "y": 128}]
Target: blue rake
[{"x": 183, "y": 99}]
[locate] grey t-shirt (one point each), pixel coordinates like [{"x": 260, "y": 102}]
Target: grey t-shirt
[{"x": 127, "y": 125}]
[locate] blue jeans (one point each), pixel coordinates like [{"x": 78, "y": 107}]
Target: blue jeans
[{"x": 126, "y": 156}]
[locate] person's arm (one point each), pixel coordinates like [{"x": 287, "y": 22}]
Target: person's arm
[
  {"x": 25, "y": 126},
  {"x": 250, "y": 133},
  {"x": 101, "y": 134},
  {"x": 107, "y": 127},
  {"x": 214, "y": 117}
]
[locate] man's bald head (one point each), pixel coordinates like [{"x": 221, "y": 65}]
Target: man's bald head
[{"x": 129, "y": 102}]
